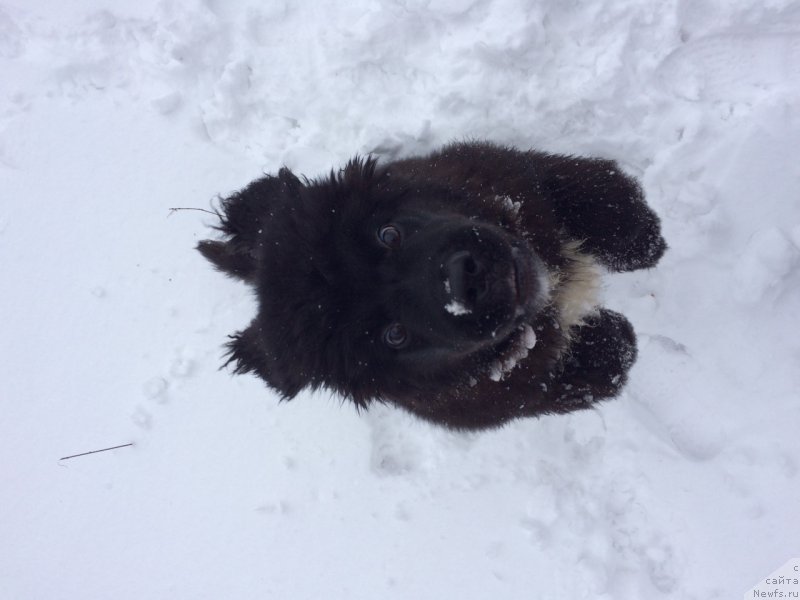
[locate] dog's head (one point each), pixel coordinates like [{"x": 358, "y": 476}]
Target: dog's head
[{"x": 375, "y": 285}]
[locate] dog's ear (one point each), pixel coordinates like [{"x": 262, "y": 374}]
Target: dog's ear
[
  {"x": 290, "y": 180},
  {"x": 223, "y": 256},
  {"x": 249, "y": 354},
  {"x": 244, "y": 212},
  {"x": 242, "y": 220}
]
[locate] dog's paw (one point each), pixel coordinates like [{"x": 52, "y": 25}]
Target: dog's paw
[
  {"x": 639, "y": 246},
  {"x": 599, "y": 204},
  {"x": 602, "y": 352}
]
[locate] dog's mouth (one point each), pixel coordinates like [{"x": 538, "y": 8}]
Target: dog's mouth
[
  {"x": 518, "y": 280},
  {"x": 491, "y": 296},
  {"x": 528, "y": 281}
]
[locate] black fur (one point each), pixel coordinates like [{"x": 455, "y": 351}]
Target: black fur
[{"x": 476, "y": 232}]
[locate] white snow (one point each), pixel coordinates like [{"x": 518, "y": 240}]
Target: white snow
[
  {"x": 528, "y": 337},
  {"x": 455, "y": 308},
  {"x": 502, "y": 367},
  {"x": 685, "y": 487},
  {"x": 509, "y": 205}
]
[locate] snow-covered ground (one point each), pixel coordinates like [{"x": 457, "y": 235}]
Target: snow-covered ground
[{"x": 688, "y": 486}]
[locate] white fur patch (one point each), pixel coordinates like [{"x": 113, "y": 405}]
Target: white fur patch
[
  {"x": 576, "y": 287},
  {"x": 509, "y": 205}
]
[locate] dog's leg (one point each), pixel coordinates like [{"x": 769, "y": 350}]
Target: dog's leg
[
  {"x": 597, "y": 203},
  {"x": 596, "y": 368}
]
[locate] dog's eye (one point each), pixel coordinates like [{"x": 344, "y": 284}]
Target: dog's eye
[
  {"x": 390, "y": 236},
  {"x": 395, "y": 336}
]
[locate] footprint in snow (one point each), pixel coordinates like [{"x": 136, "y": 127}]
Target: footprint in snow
[
  {"x": 182, "y": 367},
  {"x": 732, "y": 67},
  {"x": 660, "y": 565},
  {"x": 765, "y": 264},
  {"x": 156, "y": 389},
  {"x": 667, "y": 343},
  {"x": 142, "y": 418},
  {"x": 399, "y": 446},
  {"x": 12, "y": 40},
  {"x": 697, "y": 444}
]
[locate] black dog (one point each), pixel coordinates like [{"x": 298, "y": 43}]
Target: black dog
[{"x": 459, "y": 286}]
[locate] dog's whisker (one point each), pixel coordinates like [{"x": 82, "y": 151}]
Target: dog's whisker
[{"x": 174, "y": 210}]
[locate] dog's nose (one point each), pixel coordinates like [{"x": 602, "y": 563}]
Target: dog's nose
[{"x": 466, "y": 276}]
